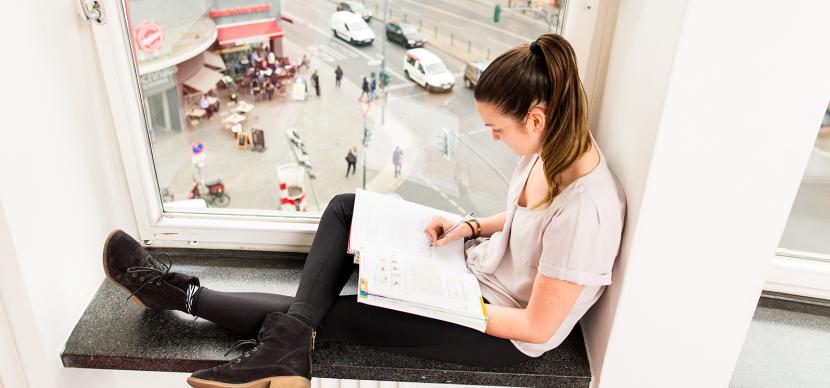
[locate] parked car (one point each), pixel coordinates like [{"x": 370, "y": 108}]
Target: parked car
[
  {"x": 351, "y": 28},
  {"x": 356, "y": 8},
  {"x": 427, "y": 70},
  {"x": 472, "y": 72},
  {"x": 405, "y": 35}
]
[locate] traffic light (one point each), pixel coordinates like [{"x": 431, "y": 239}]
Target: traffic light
[
  {"x": 496, "y": 13},
  {"x": 445, "y": 144},
  {"x": 367, "y": 136}
]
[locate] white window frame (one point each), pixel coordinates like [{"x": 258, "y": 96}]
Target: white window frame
[
  {"x": 799, "y": 273},
  {"x": 250, "y": 229},
  {"x": 790, "y": 272}
]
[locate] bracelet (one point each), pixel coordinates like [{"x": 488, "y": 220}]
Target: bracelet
[
  {"x": 472, "y": 230},
  {"x": 476, "y": 230}
]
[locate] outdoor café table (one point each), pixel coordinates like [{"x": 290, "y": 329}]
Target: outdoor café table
[
  {"x": 234, "y": 118},
  {"x": 243, "y": 107},
  {"x": 196, "y": 112}
]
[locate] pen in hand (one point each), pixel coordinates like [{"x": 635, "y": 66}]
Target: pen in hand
[{"x": 457, "y": 224}]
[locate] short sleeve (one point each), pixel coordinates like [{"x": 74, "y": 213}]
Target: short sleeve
[{"x": 577, "y": 247}]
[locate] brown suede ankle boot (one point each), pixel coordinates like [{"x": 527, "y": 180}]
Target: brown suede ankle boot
[
  {"x": 281, "y": 358},
  {"x": 148, "y": 279}
]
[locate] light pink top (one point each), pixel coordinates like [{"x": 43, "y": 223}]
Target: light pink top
[{"x": 576, "y": 238}]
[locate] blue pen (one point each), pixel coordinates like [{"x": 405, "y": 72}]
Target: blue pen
[{"x": 470, "y": 214}]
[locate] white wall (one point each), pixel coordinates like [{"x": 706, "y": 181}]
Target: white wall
[
  {"x": 61, "y": 188},
  {"x": 708, "y": 115}
]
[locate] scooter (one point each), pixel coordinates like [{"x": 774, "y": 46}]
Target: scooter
[{"x": 215, "y": 196}]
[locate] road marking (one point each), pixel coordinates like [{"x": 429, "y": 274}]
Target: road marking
[
  {"x": 334, "y": 53},
  {"x": 468, "y": 20},
  {"x": 352, "y": 49},
  {"x": 399, "y": 87},
  {"x": 437, "y": 190}
]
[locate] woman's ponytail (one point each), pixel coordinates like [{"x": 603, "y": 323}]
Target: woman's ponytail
[{"x": 544, "y": 71}]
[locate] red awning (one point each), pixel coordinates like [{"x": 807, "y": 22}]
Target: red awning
[{"x": 248, "y": 33}]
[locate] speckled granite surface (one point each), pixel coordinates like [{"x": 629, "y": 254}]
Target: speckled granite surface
[{"x": 113, "y": 334}]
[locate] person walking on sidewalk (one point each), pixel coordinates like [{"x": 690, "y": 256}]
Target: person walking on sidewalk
[
  {"x": 373, "y": 86},
  {"x": 338, "y": 75},
  {"x": 315, "y": 80},
  {"x": 351, "y": 160},
  {"x": 552, "y": 249},
  {"x": 397, "y": 160},
  {"x": 365, "y": 89}
]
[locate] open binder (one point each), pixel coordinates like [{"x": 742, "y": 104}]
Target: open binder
[{"x": 400, "y": 271}]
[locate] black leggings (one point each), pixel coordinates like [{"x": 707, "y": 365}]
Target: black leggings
[{"x": 341, "y": 319}]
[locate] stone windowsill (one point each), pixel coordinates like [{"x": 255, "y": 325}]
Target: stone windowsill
[{"x": 113, "y": 334}]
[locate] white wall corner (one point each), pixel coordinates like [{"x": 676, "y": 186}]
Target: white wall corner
[
  {"x": 708, "y": 114},
  {"x": 11, "y": 369}
]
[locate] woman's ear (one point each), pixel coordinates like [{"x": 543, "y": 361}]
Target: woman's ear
[{"x": 536, "y": 119}]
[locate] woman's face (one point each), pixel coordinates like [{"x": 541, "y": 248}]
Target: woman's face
[{"x": 524, "y": 138}]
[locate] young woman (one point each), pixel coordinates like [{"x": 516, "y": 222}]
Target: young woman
[{"x": 547, "y": 260}]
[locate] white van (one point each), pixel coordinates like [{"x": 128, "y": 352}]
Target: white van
[
  {"x": 351, "y": 28},
  {"x": 427, "y": 70}
]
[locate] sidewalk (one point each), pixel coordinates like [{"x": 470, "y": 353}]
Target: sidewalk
[{"x": 328, "y": 125}]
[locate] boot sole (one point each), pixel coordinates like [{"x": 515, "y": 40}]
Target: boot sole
[
  {"x": 134, "y": 298},
  {"x": 268, "y": 382}
]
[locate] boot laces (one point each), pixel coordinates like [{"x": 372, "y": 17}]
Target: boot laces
[
  {"x": 241, "y": 343},
  {"x": 152, "y": 270}
]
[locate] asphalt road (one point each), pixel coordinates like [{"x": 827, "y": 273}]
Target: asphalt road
[{"x": 477, "y": 176}]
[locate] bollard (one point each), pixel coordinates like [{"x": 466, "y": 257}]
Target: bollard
[
  {"x": 469, "y": 46},
  {"x": 452, "y": 38}
]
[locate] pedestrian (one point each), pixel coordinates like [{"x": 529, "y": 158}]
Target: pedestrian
[
  {"x": 397, "y": 160},
  {"x": 206, "y": 106},
  {"x": 373, "y": 87},
  {"x": 305, "y": 63},
  {"x": 214, "y": 93},
  {"x": 365, "y": 89},
  {"x": 315, "y": 80},
  {"x": 272, "y": 59},
  {"x": 549, "y": 257},
  {"x": 351, "y": 160},
  {"x": 255, "y": 58},
  {"x": 269, "y": 89},
  {"x": 338, "y": 75}
]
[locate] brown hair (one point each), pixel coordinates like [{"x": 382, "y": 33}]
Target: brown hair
[{"x": 543, "y": 72}]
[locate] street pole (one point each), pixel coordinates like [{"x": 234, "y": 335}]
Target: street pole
[
  {"x": 383, "y": 61},
  {"x": 364, "y": 164}
]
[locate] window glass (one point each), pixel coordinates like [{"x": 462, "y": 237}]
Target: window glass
[
  {"x": 436, "y": 68},
  {"x": 236, "y": 122},
  {"x": 806, "y": 233},
  {"x": 356, "y": 26}
]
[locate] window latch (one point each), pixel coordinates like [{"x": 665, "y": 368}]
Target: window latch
[{"x": 92, "y": 11}]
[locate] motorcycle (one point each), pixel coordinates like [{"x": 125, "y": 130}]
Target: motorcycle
[{"x": 215, "y": 196}]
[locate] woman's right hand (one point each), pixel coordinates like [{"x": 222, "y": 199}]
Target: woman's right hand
[{"x": 436, "y": 227}]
